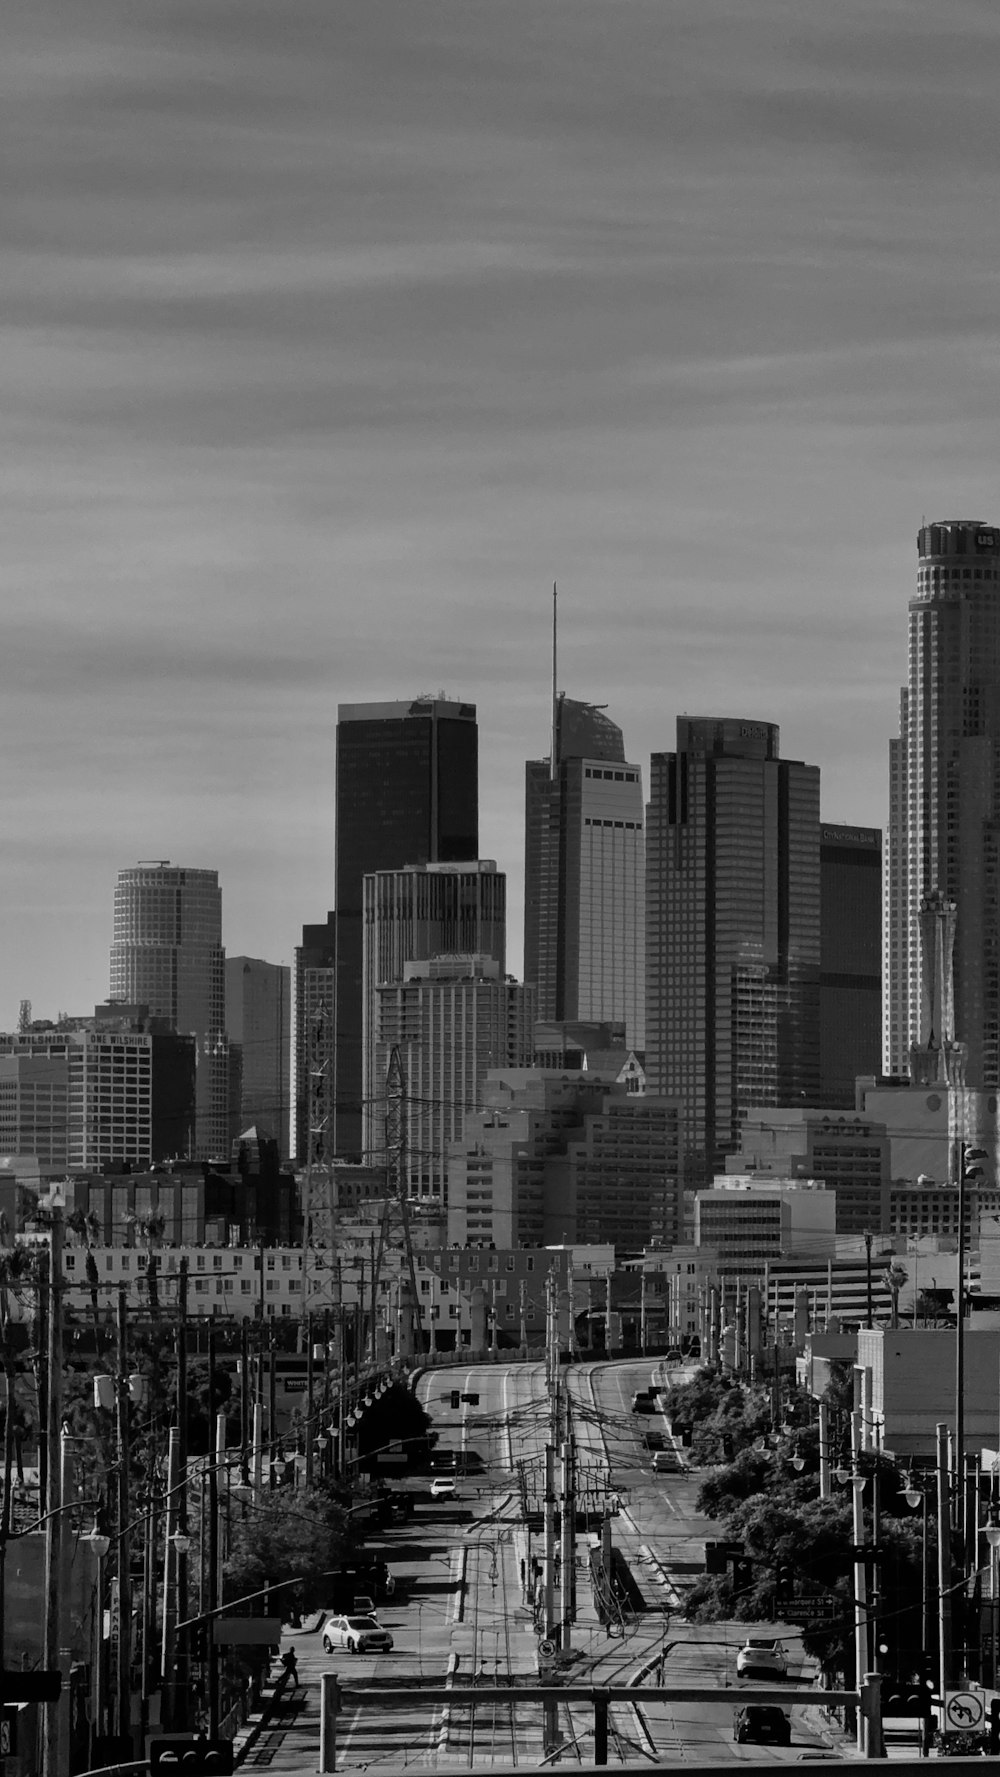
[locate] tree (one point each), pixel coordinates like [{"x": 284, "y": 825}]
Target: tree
[
  {"x": 768, "y": 1510},
  {"x": 397, "y": 1418},
  {"x": 303, "y": 1538}
]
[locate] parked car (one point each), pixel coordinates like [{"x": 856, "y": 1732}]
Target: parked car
[
  {"x": 667, "y": 1462},
  {"x": 760, "y": 1722},
  {"x": 359, "y": 1634},
  {"x": 761, "y": 1656},
  {"x": 443, "y": 1487}
]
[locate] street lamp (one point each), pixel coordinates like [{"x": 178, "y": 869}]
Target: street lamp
[
  {"x": 993, "y": 1539},
  {"x": 969, "y": 1169}
]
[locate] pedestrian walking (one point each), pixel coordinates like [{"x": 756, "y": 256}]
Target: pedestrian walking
[{"x": 290, "y": 1664}]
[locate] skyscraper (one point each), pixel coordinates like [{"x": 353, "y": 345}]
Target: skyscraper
[
  {"x": 167, "y": 954},
  {"x": 584, "y": 880},
  {"x": 732, "y": 931},
  {"x": 943, "y": 848},
  {"x": 407, "y": 793},
  {"x": 452, "y": 1018},
  {"x": 850, "y": 981},
  {"x": 258, "y": 1017},
  {"x": 411, "y": 916}
]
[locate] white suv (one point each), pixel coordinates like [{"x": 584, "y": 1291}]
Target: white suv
[
  {"x": 360, "y": 1635},
  {"x": 761, "y": 1656}
]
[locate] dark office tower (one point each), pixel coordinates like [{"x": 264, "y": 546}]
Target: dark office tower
[
  {"x": 407, "y": 793},
  {"x": 943, "y": 851},
  {"x": 732, "y": 931},
  {"x": 584, "y": 879},
  {"x": 850, "y": 961},
  {"x": 258, "y": 1018},
  {"x": 167, "y": 955}
]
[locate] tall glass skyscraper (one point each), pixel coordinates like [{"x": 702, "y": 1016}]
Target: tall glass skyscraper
[
  {"x": 167, "y": 954},
  {"x": 584, "y": 875},
  {"x": 732, "y": 931},
  {"x": 407, "y": 793},
  {"x": 943, "y": 843}
]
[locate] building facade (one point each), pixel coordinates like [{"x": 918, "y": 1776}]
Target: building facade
[
  {"x": 411, "y": 916},
  {"x": 258, "y": 1018},
  {"x": 732, "y": 931},
  {"x": 452, "y": 1018},
  {"x": 584, "y": 875},
  {"x": 407, "y": 793},
  {"x": 77, "y": 1098},
  {"x": 557, "y": 1157},
  {"x": 167, "y": 954},
  {"x": 850, "y": 960},
  {"x": 944, "y": 829}
]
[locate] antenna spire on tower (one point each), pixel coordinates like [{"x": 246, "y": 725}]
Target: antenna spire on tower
[{"x": 554, "y": 752}]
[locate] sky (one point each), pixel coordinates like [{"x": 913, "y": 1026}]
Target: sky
[{"x": 332, "y": 333}]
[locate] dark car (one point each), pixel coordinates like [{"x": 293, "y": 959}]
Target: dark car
[{"x": 760, "y": 1722}]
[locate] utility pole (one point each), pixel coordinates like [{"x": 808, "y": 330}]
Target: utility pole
[
  {"x": 214, "y": 1588},
  {"x": 53, "y": 1762},
  {"x": 568, "y": 1536},
  {"x": 310, "y": 1389},
  {"x": 182, "y": 1454},
  {"x": 550, "y": 1733},
  {"x": 124, "y": 1540},
  {"x": 171, "y": 1564}
]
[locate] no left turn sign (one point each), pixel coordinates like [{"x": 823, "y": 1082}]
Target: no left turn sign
[{"x": 965, "y": 1710}]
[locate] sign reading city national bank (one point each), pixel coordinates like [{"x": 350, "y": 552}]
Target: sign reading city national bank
[{"x": 852, "y": 835}]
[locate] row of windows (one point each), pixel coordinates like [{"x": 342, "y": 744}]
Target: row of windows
[{"x": 614, "y": 777}]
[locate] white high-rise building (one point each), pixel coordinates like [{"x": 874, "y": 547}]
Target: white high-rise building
[
  {"x": 167, "y": 955},
  {"x": 584, "y": 876},
  {"x": 943, "y": 840},
  {"x": 409, "y": 916},
  {"x": 452, "y": 1018},
  {"x": 77, "y": 1097}
]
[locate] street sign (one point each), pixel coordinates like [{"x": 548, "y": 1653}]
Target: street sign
[
  {"x": 964, "y": 1711},
  {"x": 811, "y": 1610}
]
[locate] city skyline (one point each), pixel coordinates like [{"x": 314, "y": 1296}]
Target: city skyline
[{"x": 327, "y": 355}]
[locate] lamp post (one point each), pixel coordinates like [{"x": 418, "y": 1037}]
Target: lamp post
[
  {"x": 915, "y": 1494},
  {"x": 969, "y": 1168},
  {"x": 993, "y": 1539}
]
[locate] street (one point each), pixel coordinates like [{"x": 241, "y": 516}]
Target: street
[{"x": 464, "y": 1611}]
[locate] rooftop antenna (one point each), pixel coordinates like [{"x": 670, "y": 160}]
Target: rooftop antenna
[{"x": 554, "y": 754}]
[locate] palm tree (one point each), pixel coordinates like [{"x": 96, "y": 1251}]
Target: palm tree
[
  {"x": 86, "y": 1225},
  {"x": 894, "y": 1277}
]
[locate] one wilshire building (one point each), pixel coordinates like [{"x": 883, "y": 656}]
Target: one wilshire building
[{"x": 732, "y": 931}]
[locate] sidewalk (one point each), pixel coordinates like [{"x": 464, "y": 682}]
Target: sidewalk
[{"x": 283, "y": 1734}]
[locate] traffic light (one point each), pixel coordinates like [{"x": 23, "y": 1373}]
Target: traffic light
[
  {"x": 456, "y": 1397},
  {"x": 198, "y": 1757},
  {"x": 784, "y": 1582},
  {"x": 995, "y": 1725}
]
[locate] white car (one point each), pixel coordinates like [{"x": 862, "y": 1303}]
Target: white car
[
  {"x": 761, "y": 1656},
  {"x": 667, "y": 1462},
  {"x": 360, "y": 1635},
  {"x": 443, "y": 1487}
]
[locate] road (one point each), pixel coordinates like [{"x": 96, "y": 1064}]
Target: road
[{"x": 463, "y": 1611}]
